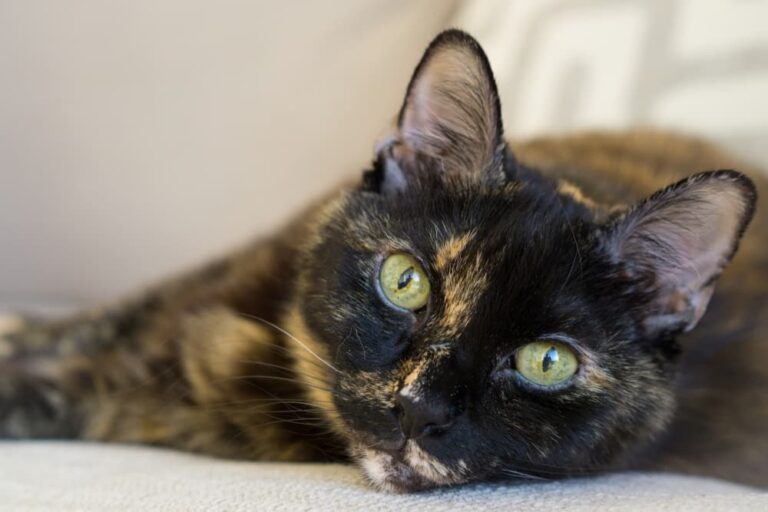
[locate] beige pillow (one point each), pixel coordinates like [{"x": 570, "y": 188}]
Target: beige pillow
[
  {"x": 696, "y": 65},
  {"x": 140, "y": 137}
]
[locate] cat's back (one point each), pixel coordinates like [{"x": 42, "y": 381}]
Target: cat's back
[
  {"x": 722, "y": 422},
  {"x": 621, "y": 168}
]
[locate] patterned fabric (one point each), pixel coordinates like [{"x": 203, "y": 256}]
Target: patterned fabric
[{"x": 696, "y": 65}]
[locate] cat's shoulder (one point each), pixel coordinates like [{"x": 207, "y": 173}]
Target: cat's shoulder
[{"x": 624, "y": 166}]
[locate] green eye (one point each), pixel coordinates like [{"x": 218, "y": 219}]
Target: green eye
[
  {"x": 546, "y": 363},
  {"x": 404, "y": 282}
]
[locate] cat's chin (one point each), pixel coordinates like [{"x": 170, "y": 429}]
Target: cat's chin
[{"x": 408, "y": 470}]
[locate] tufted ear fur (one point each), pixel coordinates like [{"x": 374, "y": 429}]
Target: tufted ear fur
[
  {"x": 450, "y": 122},
  {"x": 677, "y": 242}
]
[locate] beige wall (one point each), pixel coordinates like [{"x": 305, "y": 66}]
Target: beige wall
[{"x": 139, "y": 137}]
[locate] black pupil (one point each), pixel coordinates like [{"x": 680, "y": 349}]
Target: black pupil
[
  {"x": 550, "y": 358},
  {"x": 405, "y": 278}
]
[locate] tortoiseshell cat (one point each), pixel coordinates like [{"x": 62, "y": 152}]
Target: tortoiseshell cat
[{"x": 470, "y": 311}]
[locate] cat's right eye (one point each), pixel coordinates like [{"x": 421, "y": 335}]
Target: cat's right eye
[{"x": 404, "y": 282}]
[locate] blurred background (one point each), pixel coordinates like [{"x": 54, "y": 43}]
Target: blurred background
[{"x": 140, "y": 137}]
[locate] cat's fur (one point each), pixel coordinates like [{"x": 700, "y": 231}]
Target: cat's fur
[{"x": 285, "y": 350}]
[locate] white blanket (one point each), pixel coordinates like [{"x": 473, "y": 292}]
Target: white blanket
[{"x": 46, "y": 476}]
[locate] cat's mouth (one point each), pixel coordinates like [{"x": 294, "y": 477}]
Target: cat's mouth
[{"x": 409, "y": 469}]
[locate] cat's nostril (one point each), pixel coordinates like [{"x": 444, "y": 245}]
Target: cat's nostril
[
  {"x": 422, "y": 419},
  {"x": 396, "y": 413},
  {"x": 431, "y": 429}
]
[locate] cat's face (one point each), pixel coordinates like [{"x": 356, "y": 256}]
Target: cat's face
[{"x": 479, "y": 324}]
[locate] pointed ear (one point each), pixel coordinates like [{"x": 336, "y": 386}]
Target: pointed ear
[
  {"x": 450, "y": 122},
  {"x": 677, "y": 242}
]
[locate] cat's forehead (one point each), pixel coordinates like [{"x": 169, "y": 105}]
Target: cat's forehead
[
  {"x": 491, "y": 253},
  {"x": 465, "y": 273},
  {"x": 443, "y": 223}
]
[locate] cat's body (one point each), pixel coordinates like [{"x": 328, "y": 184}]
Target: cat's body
[{"x": 227, "y": 361}]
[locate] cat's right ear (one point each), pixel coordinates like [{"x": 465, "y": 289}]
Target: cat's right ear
[{"x": 450, "y": 121}]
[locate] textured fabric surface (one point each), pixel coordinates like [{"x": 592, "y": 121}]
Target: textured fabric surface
[{"x": 87, "y": 477}]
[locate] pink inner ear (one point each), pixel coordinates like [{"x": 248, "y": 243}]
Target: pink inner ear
[
  {"x": 698, "y": 229},
  {"x": 450, "y": 113},
  {"x": 685, "y": 237}
]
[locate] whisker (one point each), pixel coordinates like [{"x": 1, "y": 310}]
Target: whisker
[
  {"x": 556, "y": 469},
  {"x": 573, "y": 236},
  {"x": 294, "y": 338},
  {"x": 268, "y": 365},
  {"x": 268, "y": 401},
  {"x": 522, "y": 474},
  {"x": 301, "y": 422},
  {"x": 286, "y": 369},
  {"x": 284, "y": 351},
  {"x": 283, "y": 379}
]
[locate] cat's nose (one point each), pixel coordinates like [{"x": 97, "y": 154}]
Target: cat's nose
[{"x": 422, "y": 417}]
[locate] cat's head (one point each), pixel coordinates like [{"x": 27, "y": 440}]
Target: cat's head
[{"x": 478, "y": 322}]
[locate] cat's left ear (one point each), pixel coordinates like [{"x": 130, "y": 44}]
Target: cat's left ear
[
  {"x": 676, "y": 243},
  {"x": 450, "y": 122}
]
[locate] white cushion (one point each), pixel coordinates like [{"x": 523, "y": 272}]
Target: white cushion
[{"x": 87, "y": 477}]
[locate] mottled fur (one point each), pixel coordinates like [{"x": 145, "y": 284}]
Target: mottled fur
[{"x": 285, "y": 351}]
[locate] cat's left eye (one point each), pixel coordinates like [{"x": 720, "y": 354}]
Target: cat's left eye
[
  {"x": 403, "y": 282},
  {"x": 546, "y": 363}
]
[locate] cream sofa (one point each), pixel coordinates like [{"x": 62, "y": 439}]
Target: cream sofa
[{"x": 140, "y": 137}]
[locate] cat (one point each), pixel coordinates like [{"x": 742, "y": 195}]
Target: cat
[{"x": 470, "y": 310}]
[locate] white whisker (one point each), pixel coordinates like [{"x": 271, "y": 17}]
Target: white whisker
[{"x": 294, "y": 338}]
